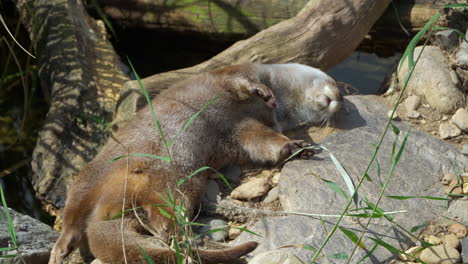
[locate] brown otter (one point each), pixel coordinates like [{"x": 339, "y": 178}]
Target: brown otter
[{"x": 237, "y": 127}]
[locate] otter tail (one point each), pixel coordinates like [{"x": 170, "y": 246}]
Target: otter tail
[{"x": 105, "y": 242}]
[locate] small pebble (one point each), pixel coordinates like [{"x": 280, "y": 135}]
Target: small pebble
[
  {"x": 423, "y": 122},
  {"x": 440, "y": 254},
  {"x": 276, "y": 177},
  {"x": 395, "y": 116},
  {"x": 451, "y": 240},
  {"x": 211, "y": 224},
  {"x": 234, "y": 232},
  {"x": 272, "y": 195},
  {"x": 414, "y": 252},
  {"x": 460, "y": 119},
  {"x": 413, "y": 114},
  {"x": 412, "y": 103},
  {"x": 445, "y": 118},
  {"x": 458, "y": 229},
  {"x": 447, "y": 179},
  {"x": 251, "y": 189},
  {"x": 448, "y": 130},
  {"x": 434, "y": 240},
  {"x": 447, "y": 39}
]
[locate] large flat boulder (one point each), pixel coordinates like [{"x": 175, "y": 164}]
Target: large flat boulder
[
  {"x": 34, "y": 238},
  {"x": 424, "y": 161}
]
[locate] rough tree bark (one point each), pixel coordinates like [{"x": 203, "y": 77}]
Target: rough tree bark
[
  {"x": 247, "y": 17},
  {"x": 80, "y": 71},
  {"x": 322, "y": 34}
]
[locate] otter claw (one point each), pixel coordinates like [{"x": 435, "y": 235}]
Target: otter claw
[
  {"x": 264, "y": 92},
  {"x": 297, "y": 145}
]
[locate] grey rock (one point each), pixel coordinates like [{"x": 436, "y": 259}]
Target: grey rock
[
  {"x": 272, "y": 195},
  {"x": 441, "y": 254},
  {"x": 418, "y": 173},
  {"x": 465, "y": 149},
  {"x": 448, "y": 130},
  {"x": 276, "y": 257},
  {"x": 212, "y": 224},
  {"x": 464, "y": 250},
  {"x": 431, "y": 79},
  {"x": 447, "y": 39},
  {"x": 413, "y": 114},
  {"x": 460, "y": 118},
  {"x": 254, "y": 188},
  {"x": 461, "y": 56},
  {"x": 35, "y": 239},
  {"x": 412, "y": 103},
  {"x": 458, "y": 210}
]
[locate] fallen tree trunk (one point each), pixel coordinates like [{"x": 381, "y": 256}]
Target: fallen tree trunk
[
  {"x": 322, "y": 34},
  {"x": 245, "y": 18},
  {"x": 80, "y": 72}
]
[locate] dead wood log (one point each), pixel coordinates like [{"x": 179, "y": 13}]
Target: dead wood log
[{"x": 80, "y": 71}]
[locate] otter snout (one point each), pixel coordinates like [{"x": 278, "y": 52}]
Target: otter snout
[{"x": 333, "y": 98}]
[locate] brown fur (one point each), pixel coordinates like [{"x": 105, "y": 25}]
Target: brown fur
[{"x": 236, "y": 128}]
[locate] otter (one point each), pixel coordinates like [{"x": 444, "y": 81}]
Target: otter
[{"x": 251, "y": 105}]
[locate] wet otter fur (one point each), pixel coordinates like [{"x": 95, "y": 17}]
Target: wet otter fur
[{"x": 255, "y": 103}]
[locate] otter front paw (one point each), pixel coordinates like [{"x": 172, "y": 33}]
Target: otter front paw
[{"x": 294, "y": 146}]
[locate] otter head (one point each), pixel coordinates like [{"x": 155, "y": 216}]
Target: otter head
[{"x": 305, "y": 95}]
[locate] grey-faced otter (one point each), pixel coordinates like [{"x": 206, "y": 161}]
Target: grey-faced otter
[{"x": 255, "y": 103}]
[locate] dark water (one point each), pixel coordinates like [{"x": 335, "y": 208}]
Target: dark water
[
  {"x": 363, "y": 72},
  {"x": 151, "y": 53}
]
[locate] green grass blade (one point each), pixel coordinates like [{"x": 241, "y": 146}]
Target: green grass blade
[
  {"x": 398, "y": 197},
  {"x": 192, "y": 118},
  {"x": 386, "y": 246},
  {"x": 377, "y": 209},
  {"x": 10, "y": 225},
  {"x": 8, "y": 256},
  {"x": 402, "y": 147},
  {"x": 340, "y": 255},
  {"x": 409, "y": 52},
  {"x": 416, "y": 228},
  {"x": 243, "y": 229},
  {"x": 153, "y": 113},
  {"x": 104, "y": 18},
  {"x": 344, "y": 175},
  {"x": 395, "y": 129},
  {"x": 309, "y": 247},
  {"x": 145, "y": 254},
  {"x": 203, "y": 169},
  {"x": 455, "y": 5},
  {"x": 6, "y": 249},
  {"x": 369, "y": 253},
  {"x": 167, "y": 159},
  {"x": 352, "y": 236},
  {"x": 367, "y": 215},
  {"x": 335, "y": 187}
]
